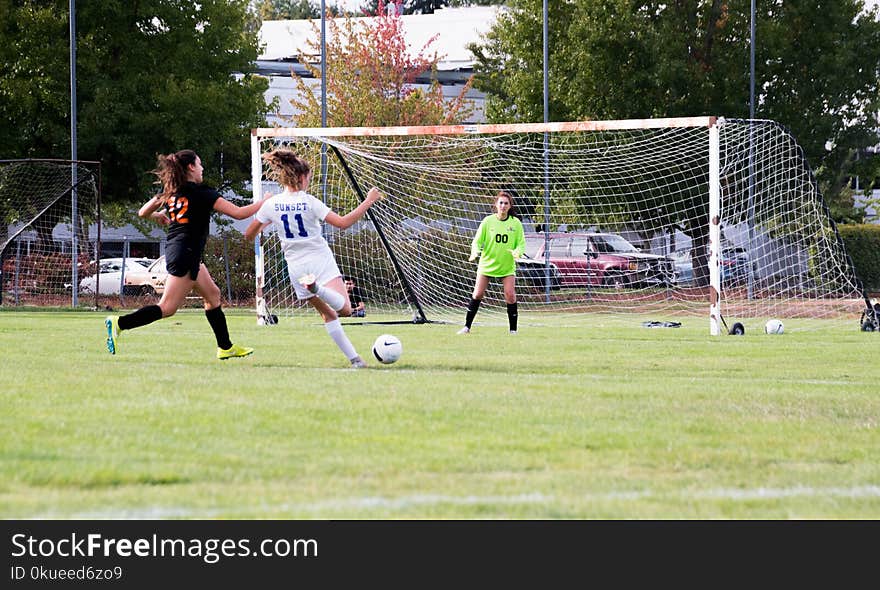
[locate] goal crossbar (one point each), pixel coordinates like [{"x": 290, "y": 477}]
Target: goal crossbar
[{"x": 572, "y": 126}]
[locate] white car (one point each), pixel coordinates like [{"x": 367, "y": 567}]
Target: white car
[{"x": 142, "y": 276}]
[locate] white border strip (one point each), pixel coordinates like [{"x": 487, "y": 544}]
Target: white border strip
[{"x": 420, "y": 500}]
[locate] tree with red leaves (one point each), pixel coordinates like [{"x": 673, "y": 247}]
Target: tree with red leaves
[{"x": 371, "y": 77}]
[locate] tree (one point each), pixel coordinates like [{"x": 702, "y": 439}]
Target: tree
[
  {"x": 152, "y": 76},
  {"x": 370, "y": 78},
  {"x": 817, "y": 69},
  {"x": 371, "y": 81},
  {"x": 289, "y": 10},
  {"x": 424, "y": 6},
  {"x": 826, "y": 96},
  {"x": 371, "y": 7},
  {"x": 34, "y": 83}
]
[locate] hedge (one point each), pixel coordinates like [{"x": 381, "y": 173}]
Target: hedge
[{"x": 863, "y": 245}]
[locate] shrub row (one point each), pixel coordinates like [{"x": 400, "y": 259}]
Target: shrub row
[{"x": 863, "y": 245}]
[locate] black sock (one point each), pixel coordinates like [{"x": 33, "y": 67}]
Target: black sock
[
  {"x": 512, "y": 316},
  {"x": 218, "y": 324},
  {"x": 142, "y": 317},
  {"x": 472, "y": 308}
]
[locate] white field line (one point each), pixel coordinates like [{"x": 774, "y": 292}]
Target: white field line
[{"x": 537, "y": 498}]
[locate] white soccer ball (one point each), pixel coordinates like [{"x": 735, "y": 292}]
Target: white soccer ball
[
  {"x": 774, "y": 327},
  {"x": 387, "y": 349}
]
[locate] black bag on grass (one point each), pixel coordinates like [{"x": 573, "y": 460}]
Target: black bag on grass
[{"x": 870, "y": 321}]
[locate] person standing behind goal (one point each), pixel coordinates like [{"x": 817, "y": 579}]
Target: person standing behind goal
[
  {"x": 499, "y": 241},
  {"x": 189, "y": 205},
  {"x": 311, "y": 265}
]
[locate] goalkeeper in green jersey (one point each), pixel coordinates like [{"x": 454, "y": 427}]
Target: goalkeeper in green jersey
[{"x": 498, "y": 243}]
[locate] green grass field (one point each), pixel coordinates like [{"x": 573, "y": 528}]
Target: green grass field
[{"x": 573, "y": 418}]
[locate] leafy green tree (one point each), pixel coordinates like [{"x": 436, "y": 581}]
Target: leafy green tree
[
  {"x": 153, "y": 76},
  {"x": 817, "y": 67},
  {"x": 424, "y": 6},
  {"x": 34, "y": 81},
  {"x": 289, "y": 9},
  {"x": 817, "y": 71},
  {"x": 371, "y": 7},
  {"x": 820, "y": 71}
]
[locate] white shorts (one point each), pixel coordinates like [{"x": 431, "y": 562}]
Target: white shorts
[{"x": 321, "y": 264}]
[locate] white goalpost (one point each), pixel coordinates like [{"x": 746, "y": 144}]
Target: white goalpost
[{"x": 665, "y": 218}]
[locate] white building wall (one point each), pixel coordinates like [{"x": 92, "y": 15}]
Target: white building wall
[{"x": 870, "y": 203}]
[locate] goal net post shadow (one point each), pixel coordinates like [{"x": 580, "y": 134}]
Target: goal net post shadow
[
  {"x": 699, "y": 216},
  {"x": 50, "y": 232}
]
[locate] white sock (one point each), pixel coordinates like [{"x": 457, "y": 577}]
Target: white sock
[
  {"x": 331, "y": 297},
  {"x": 336, "y": 332}
]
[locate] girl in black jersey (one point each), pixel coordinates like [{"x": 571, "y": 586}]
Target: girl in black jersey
[{"x": 185, "y": 206}]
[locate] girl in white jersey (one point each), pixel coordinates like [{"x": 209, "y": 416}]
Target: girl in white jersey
[{"x": 297, "y": 217}]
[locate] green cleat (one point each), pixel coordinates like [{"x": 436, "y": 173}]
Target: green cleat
[
  {"x": 233, "y": 351},
  {"x": 112, "y": 324}
]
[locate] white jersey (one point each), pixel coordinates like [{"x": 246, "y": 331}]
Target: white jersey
[{"x": 297, "y": 218}]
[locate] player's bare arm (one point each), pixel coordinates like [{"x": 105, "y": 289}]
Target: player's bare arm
[
  {"x": 349, "y": 219},
  {"x": 254, "y": 229},
  {"x": 151, "y": 210},
  {"x": 223, "y": 206}
]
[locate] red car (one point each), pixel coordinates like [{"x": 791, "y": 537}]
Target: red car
[{"x": 601, "y": 259}]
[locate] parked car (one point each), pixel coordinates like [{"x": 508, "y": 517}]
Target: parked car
[
  {"x": 734, "y": 265},
  {"x": 142, "y": 276},
  {"x": 684, "y": 267},
  {"x": 601, "y": 259},
  {"x": 532, "y": 273}
]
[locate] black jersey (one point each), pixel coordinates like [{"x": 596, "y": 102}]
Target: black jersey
[{"x": 190, "y": 213}]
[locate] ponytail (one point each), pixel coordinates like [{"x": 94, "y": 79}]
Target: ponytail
[
  {"x": 286, "y": 168},
  {"x": 170, "y": 172}
]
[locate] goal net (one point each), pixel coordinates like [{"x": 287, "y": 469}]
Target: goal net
[
  {"x": 668, "y": 217},
  {"x": 49, "y": 230}
]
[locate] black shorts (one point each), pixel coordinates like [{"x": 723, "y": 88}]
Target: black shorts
[{"x": 182, "y": 260}]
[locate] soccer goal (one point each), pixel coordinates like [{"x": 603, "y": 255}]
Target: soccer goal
[
  {"x": 670, "y": 217},
  {"x": 50, "y": 230}
]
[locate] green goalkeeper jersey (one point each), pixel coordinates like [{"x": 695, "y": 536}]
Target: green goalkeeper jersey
[{"x": 501, "y": 243}]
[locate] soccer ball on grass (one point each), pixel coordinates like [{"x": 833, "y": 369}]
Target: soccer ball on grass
[
  {"x": 774, "y": 327},
  {"x": 387, "y": 349}
]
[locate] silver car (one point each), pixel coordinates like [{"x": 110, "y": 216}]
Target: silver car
[{"x": 141, "y": 276}]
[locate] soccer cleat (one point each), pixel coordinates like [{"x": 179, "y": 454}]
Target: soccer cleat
[
  {"x": 112, "y": 325},
  {"x": 464, "y": 330},
  {"x": 233, "y": 351},
  {"x": 308, "y": 281},
  {"x": 358, "y": 363},
  {"x": 513, "y": 331}
]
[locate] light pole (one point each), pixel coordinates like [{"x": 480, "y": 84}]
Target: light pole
[
  {"x": 546, "y": 46},
  {"x": 751, "y": 274},
  {"x": 74, "y": 224},
  {"x": 752, "y": 62}
]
